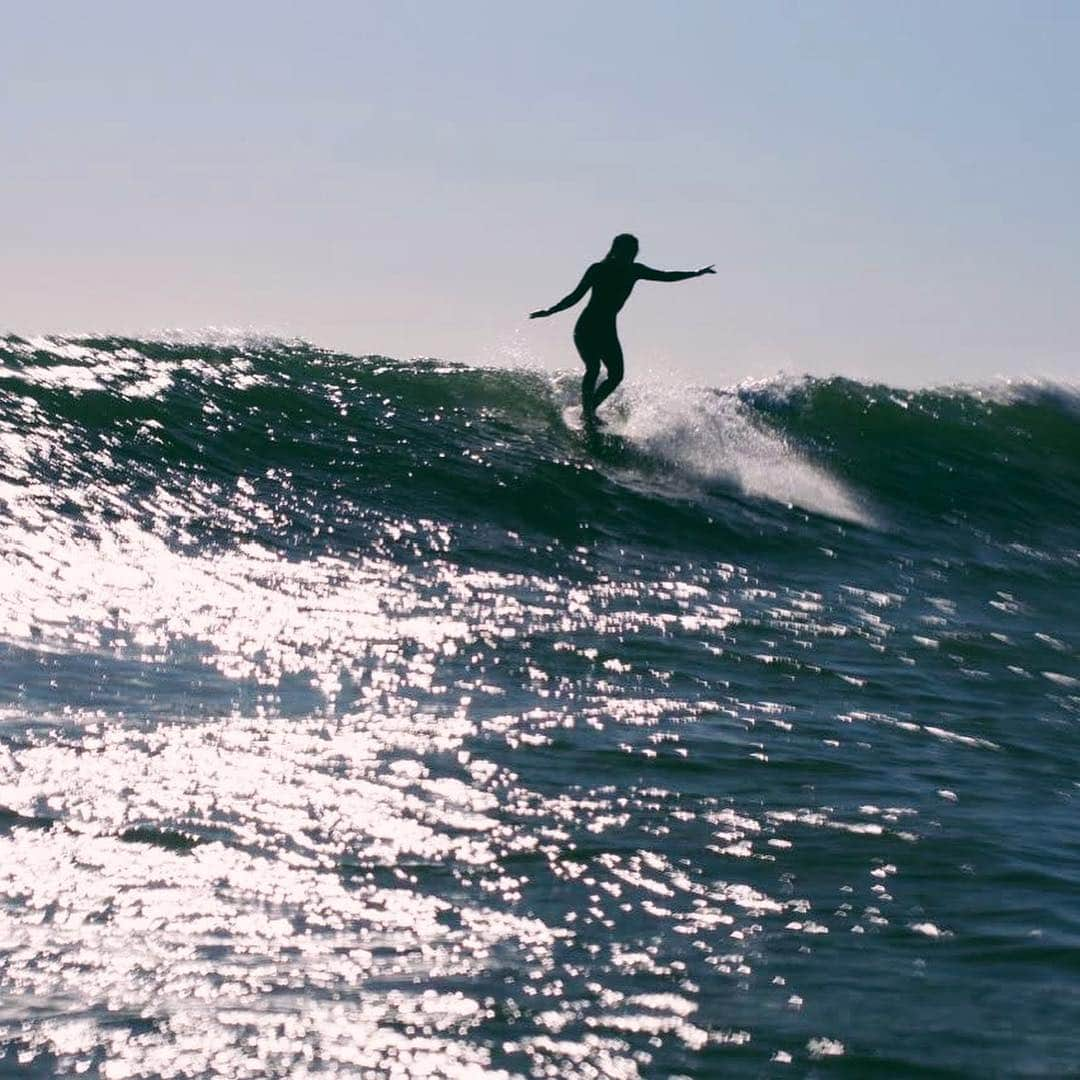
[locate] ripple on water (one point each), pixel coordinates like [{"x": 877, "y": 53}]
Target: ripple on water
[{"x": 434, "y": 798}]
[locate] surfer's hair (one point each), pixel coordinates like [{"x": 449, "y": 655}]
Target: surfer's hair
[{"x": 623, "y": 248}]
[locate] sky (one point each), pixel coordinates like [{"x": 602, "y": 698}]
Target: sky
[{"x": 888, "y": 190}]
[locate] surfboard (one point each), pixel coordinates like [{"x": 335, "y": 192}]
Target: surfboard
[{"x": 573, "y": 419}]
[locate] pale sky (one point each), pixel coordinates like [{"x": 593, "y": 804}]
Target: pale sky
[{"x": 888, "y": 190}]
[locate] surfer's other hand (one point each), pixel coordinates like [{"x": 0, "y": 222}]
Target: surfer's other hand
[
  {"x": 539, "y": 314},
  {"x": 706, "y": 270}
]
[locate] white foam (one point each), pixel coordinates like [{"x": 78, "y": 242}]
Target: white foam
[
  {"x": 713, "y": 435},
  {"x": 1014, "y": 390}
]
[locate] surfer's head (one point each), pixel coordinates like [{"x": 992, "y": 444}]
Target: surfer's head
[{"x": 624, "y": 248}]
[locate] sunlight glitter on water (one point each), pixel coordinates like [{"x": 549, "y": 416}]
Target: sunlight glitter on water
[
  {"x": 353, "y": 864},
  {"x": 250, "y": 855},
  {"x": 297, "y": 779}
]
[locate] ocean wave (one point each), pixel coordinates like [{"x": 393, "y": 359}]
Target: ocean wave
[
  {"x": 318, "y": 435},
  {"x": 359, "y": 713}
]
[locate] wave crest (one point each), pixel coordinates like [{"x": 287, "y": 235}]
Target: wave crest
[{"x": 232, "y": 436}]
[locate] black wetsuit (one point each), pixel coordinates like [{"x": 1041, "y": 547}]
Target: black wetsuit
[{"x": 595, "y": 333}]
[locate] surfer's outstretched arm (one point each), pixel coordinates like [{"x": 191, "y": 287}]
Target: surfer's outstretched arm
[
  {"x": 647, "y": 273},
  {"x": 569, "y": 300}
]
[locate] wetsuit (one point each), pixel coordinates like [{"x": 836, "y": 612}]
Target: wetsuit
[
  {"x": 611, "y": 282},
  {"x": 595, "y": 333}
]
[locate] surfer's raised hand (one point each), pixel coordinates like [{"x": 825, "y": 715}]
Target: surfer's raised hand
[{"x": 539, "y": 314}]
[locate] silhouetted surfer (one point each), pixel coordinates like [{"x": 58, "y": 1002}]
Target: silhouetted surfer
[{"x": 595, "y": 334}]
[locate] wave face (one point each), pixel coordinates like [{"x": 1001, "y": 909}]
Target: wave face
[{"x": 372, "y": 699}]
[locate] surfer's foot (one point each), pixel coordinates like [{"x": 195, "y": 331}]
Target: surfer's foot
[{"x": 592, "y": 420}]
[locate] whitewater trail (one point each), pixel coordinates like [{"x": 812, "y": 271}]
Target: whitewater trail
[{"x": 711, "y": 435}]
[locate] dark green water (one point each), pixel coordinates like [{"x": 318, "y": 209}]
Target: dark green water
[{"x": 360, "y": 717}]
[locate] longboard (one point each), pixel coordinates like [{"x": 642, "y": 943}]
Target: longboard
[{"x": 573, "y": 419}]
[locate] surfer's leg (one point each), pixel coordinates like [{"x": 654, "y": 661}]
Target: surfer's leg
[
  {"x": 613, "y": 363},
  {"x": 588, "y": 388},
  {"x": 590, "y": 357}
]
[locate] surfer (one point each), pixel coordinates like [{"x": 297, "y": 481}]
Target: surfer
[{"x": 595, "y": 334}]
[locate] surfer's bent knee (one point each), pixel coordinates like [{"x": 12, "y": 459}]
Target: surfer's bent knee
[
  {"x": 592, "y": 366},
  {"x": 614, "y": 369}
]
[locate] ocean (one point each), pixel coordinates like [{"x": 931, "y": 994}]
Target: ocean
[{"x": 361, "y": 717}]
